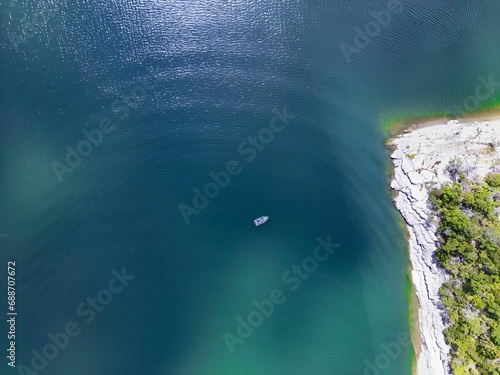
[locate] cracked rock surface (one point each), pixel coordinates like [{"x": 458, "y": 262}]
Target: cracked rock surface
[{"x": 420, "y": 158}]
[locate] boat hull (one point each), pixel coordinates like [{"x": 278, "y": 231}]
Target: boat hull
[{"x": 260, "y": 220}]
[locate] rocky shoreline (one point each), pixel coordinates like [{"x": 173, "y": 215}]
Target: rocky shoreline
[{"x": 420, "y": 158}]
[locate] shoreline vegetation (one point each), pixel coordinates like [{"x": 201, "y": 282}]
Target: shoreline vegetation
[
  {"x": 469, "y": 250},
  {"x": 414, "y": 143}
]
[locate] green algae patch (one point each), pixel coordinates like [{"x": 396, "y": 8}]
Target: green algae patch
[{"x": 394, "y": 124}]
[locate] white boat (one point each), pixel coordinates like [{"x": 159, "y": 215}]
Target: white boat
[{"x": 260, "y": 220}]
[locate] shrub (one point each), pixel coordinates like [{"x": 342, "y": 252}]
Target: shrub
[
  {"x": 493, "y": 180},
  {"x": 454, "y": 219},
  {"x": 480, "y": 198},
  {"x": 451, "y": 195},
  {"x": 495, "y": 334}
]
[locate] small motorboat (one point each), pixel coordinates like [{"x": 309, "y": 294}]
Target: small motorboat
[{"x": 260, "y": 220}]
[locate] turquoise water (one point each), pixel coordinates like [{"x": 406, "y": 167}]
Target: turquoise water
[{"x": 179, "y": 86}]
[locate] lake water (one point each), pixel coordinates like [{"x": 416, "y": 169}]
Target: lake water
[{"x": 176, "y": 88}]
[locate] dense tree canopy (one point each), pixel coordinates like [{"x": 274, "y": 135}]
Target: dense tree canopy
[{"x": 470, "y": 251}]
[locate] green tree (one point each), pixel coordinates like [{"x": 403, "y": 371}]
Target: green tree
[{"x": 454, "y": 219}]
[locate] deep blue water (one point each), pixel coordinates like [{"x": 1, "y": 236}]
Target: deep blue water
[{"x": 206, "y": 76}]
